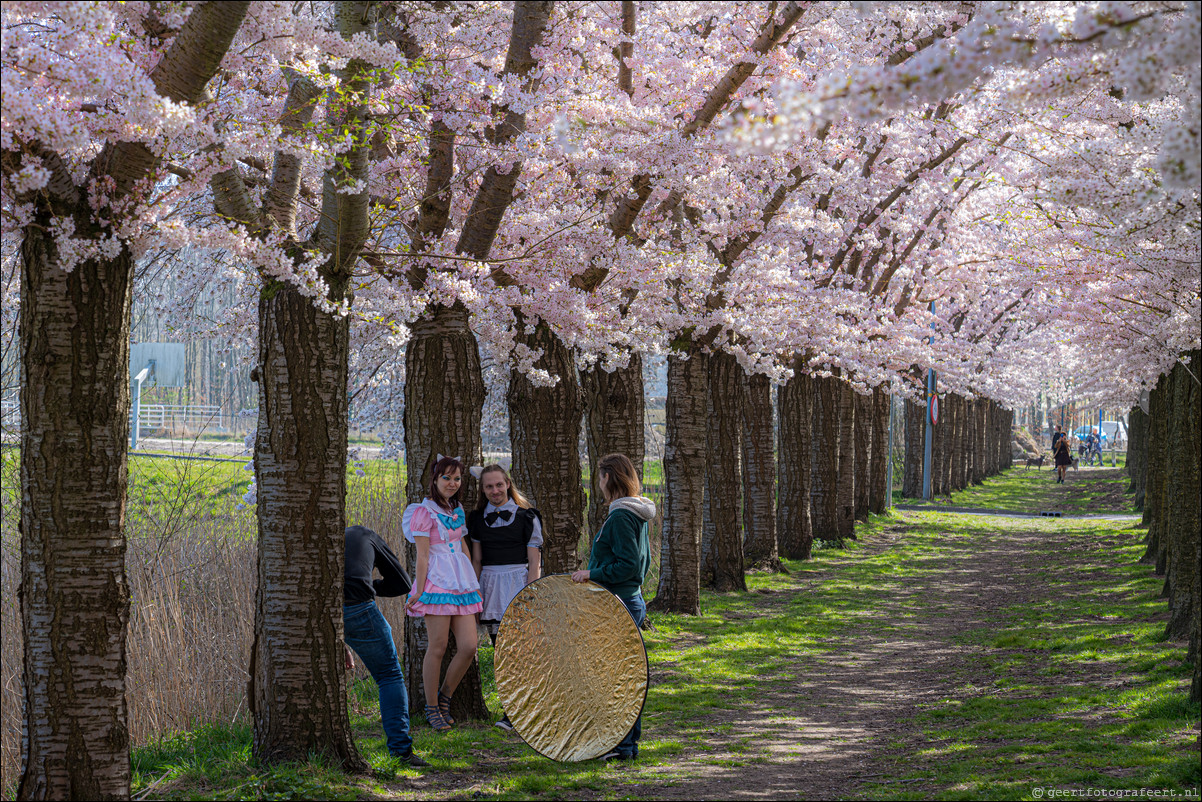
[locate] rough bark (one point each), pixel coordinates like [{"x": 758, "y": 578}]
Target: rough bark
[
  {"x": 979, "y": 440},
  {"x": 846, "y": 490},
  {"x": 958, "y": 422},
  {"x": 299, "y": 680},
  {"x": 74, "y": 334},
  {"x": 298, "y": 676},
  {"x": 795, "y": 403},
  {"x": 722, "y": 530},
  {"x": 938, "y": 458},
  {"x": 915, "y": 424},
  {"x": 879, "y": 467},
  {"x": 1153, "y": 497},
  {"x": 444, "y": 403},
  {"x": 760, "y": 548},
  {"x": 684, "y": 476},
  {"x": 74, "y": 328},
  {"x": 824, "y": 449},
  {"x": 1183, "y": 494},
  {"x": 1137, "y": 454},
  {"x": 544, "y": 427},
  {"x": 614, "y": 412},
  {"x": 862, "y": 437}
]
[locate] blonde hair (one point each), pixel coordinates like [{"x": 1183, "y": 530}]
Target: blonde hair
[
  {"x": 624, "y": 480},
  {"x": 514, "y": 494}
]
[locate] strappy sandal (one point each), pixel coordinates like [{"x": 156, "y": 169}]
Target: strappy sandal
[
  {"x": 435, "y": 720},
  {"x": 444, "y": 707}
]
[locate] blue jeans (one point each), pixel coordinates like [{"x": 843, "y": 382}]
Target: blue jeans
[
  {"x": 638, "y": 611},
  {"x": 368, "y": 633}
]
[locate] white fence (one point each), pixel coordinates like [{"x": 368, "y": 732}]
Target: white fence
[
  {"x": 174, "y": 418},
  {"x": 179, "y": 417}
]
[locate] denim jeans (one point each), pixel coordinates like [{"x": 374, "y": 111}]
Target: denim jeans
[
  {"x": 638, "y": 611},
  {"x": 368, "y": 633}
]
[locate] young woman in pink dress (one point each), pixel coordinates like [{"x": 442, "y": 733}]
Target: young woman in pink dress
[{"x": 445, "y": 589}]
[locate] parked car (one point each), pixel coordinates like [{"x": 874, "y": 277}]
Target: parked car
[{"x": 1111, "y": 428}]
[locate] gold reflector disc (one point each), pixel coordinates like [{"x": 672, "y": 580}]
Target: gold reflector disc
[{"x": 571, "y": 668}]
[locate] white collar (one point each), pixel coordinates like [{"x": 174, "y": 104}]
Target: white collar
[
  {"x": 432, "y": 506},
  {"x": 510, "y": 505}
]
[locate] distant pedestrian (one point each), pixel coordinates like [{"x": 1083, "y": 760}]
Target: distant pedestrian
[
  {"x": 367, "y": 631},
  {"x": 1064, "y": 458}
]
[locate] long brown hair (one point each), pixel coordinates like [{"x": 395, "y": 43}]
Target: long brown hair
[
  {"x": 440, "y": 467},
  {"x": 514, "y": 494},
  {"x": 623, "y": 479}
]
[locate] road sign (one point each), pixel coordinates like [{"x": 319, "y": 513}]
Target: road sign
[{"x": 933, "y": 407}]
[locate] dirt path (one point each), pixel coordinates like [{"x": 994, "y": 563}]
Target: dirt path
[
  {"x": 844, "y": 722},
  {"x": 840, "y": 722}
]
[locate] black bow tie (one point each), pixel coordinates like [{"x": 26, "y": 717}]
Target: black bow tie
[{"x": 492, "y": 517}]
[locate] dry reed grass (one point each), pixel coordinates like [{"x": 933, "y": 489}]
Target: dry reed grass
[{"x": 191, "y": 571}]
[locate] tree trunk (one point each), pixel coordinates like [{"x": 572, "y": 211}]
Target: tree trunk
[
  {"x": 760, "y": 548},
  {"x": 939, "y": 439},
  {"x": 74, "y": 395},
  {"x": 915, "y": 423},
  {"x": 1153, "y": 497},
  {"x": 297, "y": 660},
  {"x": 722, "y": 534},
  {"x": 1137, "y": 454},
  {"x": 795, "y": 403},
  {"x": 958, "y": 422},
  {"x": 444, "y": 404},
  {"x": 1001, "y": 438},
  {"x": 824, "y": 504},
  {"x": 679, "y": 588},
  {"x": 979, "y": 441},
  {"x": 879, "y": 465},
  {"x": 966, "y": 440},
  {"x": 613, "y": 425},
  {"x": 846, "y": 489},
  {"x": 862, "y": 436},
  {"x": 544, "y": 427},
  {"x": 74, "y": 329},
  {"x": 1183, "y": 494}
]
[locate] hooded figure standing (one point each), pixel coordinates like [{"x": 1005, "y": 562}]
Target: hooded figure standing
[{"x": 621, "y": 556}]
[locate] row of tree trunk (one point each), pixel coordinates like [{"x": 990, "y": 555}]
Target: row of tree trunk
[
  {"x": 1163, "y": 458},
  {"x": 970, "y": 442}
]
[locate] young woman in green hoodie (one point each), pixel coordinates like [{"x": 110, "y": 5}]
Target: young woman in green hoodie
[{"x": 621, "y": 556}]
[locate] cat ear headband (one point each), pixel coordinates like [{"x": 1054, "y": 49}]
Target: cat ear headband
[{"x": 441, "y": 457}]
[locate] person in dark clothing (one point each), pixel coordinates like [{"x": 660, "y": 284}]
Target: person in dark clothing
[
  {"x": 1064, "y": 458},
  {"x": 367, "y": 631},
  {"x": 621, "y": 556},
  {"x": 1057, "y": 437}
]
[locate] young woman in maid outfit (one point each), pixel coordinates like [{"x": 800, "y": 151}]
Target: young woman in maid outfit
[
  {"x": 445, "y": 588},
  {"x": 507, "y": 536}
]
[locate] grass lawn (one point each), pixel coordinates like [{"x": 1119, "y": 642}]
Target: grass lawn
[
  {"x": 938, "y": 656},
  {"x": 1030, "y": 490}
]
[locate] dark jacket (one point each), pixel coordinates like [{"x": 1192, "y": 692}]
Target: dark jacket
[
  {"x": 621, "y": 554},
  {"x": 366, "y": 551}
]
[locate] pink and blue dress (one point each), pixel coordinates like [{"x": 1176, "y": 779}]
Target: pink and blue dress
[{"x": 451, "y": 584}]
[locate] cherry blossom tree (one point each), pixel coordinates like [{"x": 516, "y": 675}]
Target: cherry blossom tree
[{"x": 95, "y": 99}]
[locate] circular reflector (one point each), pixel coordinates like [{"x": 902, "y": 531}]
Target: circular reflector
[{"x": 571, "y": 668}]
